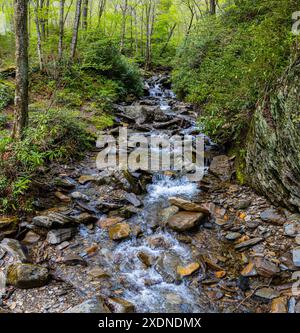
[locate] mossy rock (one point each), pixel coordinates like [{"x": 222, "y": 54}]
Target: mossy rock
[{"x": 27, "y": 276}]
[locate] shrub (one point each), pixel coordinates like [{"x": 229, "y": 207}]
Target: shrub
[
  {"x": 230, "y": 60},
  {"x": 56, "y": 135},
  {"x": 6, "y": 94}
]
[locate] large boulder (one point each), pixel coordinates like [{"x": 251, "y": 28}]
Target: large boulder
[
  {"x": 26, "y": 276},
  {"x": 93, "y": 305}
]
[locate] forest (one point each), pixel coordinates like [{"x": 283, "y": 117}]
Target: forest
[{"x": 74, "y": 238}]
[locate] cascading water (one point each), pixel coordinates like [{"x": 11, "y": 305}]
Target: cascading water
[{"x": 156, "y": 287}]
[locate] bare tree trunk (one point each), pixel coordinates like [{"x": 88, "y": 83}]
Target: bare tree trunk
[
  {"x": 21, "y": 93},
  {"x": 212, "y": 7},
  {"x": 61, "y": 29},
  {"x": 76, "y": 29},
  {"x": 168, "y": 40},
  {"x": 85, "y": 12},
  {"x": 39, "y": 35},
  {"x": 124, "y": 18},
  {"x": 101, "y": 10}
]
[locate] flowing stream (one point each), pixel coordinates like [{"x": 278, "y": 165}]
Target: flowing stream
[{"x": 155, "y": 288}]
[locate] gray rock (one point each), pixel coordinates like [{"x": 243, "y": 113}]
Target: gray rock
[
  {"x": 222, "y": 167},
  {"x": 58, "y": 236},
  {"x": 296, "y": 256},
  {"x": 292, "y": 228},
  {"x": 65, "y": 182},
  {"x": 15, "y": 249},
  {"x": 53, "y": 220},
  {"x": 267, "y": 293},
  {"x": 93, "y": 305},
  {"x": 79, "y": 196},
  {"x": 133, "y": 199},
  {"x": 232, "y": 236},
  {"x": 119, "y": 305},
  {"x": 248, "y": 243},
  {"x": 272, "y": 216},
  {"x": 266, "y": 268}
]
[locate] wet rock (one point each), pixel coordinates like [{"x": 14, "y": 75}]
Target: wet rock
[
  {"x": 232, "y": 236},
  {"x": 53, "y": 220},
  {"x": 31, "y": 238},
  {"x": 65, "y": 182},
  {"x": 26, "y": 276},
  {"x": 184, "y": 221},
  {"x": 58, "y": 236},
  {"x": 279, "y": 305},
  {"x": 188, "y": 205},
  {"x": 119, "y": 305},
  {"x": 167, "y": 265},
  {"x": 93, "y": 305},
  {"x": 86, "y": 179},
  {"x": 267, "y": 293},
  {"x": 110, "y": 221},
  {"x": 145, "y": 258},
  {"x": 266, "y": 268},
  {"x": 167, "y": 213},
  {"x": 296, "y": 256},
  {"x": 249, "y": 270},
  {"x": 222, "y": 167},
  {"x": 8, "y": 226},
  {"x": 79, "y": 196},
  {"x": 272, "y": 216},
  {"x": 133, "y": 199},
  {"x": 248, "y": 243},
  {"x": 73, "y": 260},
  {"x": 85, "y": 218},
  {"x": 2, "y": 253},
  {"x": 15, "y": 249},
  {"x": 98, "y": 273},
  {"x": 188, "y": 270},
  {"x": 119, "y": 231},
  {"x": 62, "y": 197}
]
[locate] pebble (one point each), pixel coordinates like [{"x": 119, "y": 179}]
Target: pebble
[{"x": 232, "y": 236}]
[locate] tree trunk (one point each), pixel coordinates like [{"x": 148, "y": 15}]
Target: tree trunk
[
  {"x": 61, "y": 29},
  {"x": 21, "y": 93},
  {"x": 39, "y": 35},
  {"x": 75, "y": 29},
  {"x": 124, "y": 18},
  {"x": 101, "y": 10},
  {"x": 85, "y": 12},
  {"x": 212, "y": 7}
]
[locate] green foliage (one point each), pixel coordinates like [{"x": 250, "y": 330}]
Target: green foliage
[
  {"x": 55, "y": 135},
  {"x": 230, "y": 60},
  {"x": 103, "y": 57},
  {"x": 6, "y": 94}
]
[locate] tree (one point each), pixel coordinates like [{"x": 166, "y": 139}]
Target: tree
[
  {"x": 61, "y": 29},
  {"x": 76, "y": 29},
  {"x": 85, "y": 11},
  {"x": 212, "y": 7},
  {"x": 21, "y": 93}
]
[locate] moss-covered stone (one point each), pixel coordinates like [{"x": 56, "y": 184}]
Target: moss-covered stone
[
  {"x": 273, "y": 144},
  {"x": 26, "y": 276}
]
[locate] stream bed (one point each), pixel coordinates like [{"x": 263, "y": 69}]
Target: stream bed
[{"x": 112, "y": 243}]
